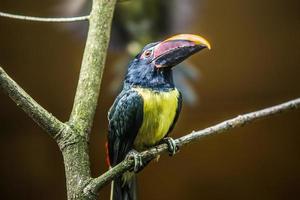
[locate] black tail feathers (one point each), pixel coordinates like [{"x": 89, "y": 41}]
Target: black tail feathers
[{"x": 124, "y": 190}]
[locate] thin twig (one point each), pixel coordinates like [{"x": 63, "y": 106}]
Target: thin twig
[
  {"x": 41, "y": 116},
  {"x": 97, "y": 183},
  {"x": 44, "y": 19}
]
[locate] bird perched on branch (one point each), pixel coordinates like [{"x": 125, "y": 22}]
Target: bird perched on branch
[{"x": 147, "y": 108}]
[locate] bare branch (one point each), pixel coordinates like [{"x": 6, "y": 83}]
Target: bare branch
[
  {"x": 44, "y": 19},
  {"x": 41, "y": 116},
  {"x": 97, "y": 183},
  {"x": 76, "y": 158},
  {"x": 92, "y": 66}
]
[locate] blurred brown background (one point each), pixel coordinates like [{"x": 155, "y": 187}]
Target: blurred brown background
[{"x": 254, "y": 63}]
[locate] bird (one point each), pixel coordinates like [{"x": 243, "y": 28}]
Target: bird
[
  {"x": 147, "y": 108},
  {"x": 136, "y": 23},
  {"x": 139, "y": 22}
]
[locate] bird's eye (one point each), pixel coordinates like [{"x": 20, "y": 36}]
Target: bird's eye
[{"x": 148, "y": 53}]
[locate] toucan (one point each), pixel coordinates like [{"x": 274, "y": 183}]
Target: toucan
[{"x": 147, "y": 108}]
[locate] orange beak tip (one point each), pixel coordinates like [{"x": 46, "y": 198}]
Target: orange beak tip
[{"x": 198, "y": 40}]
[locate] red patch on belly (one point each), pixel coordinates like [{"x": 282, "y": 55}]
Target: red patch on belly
[{"x": 107, "y": 154}]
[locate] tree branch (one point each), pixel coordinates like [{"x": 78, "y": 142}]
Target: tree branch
[
  {"x": 41, "y": 116},
  {"x": 92, "y": 66},
  {"x": 97, "y": 183},
  {"x": 44, "y": 19},
  {"x": 76, "y": 157}
]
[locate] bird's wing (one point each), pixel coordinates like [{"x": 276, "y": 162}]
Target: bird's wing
[
  {"x": 125, "y": 119},
  {"x": 178, "y": 110}
]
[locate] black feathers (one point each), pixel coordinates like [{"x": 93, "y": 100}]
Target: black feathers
[{"x": 125, "y": 119}]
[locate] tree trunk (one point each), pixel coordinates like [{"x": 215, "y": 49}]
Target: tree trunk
[{"x": 77, "y": 169}]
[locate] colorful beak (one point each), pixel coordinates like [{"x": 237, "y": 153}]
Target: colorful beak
[{"x": 176, "y": 49}]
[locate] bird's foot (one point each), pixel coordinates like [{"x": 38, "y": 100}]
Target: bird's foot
[
  {"x": 172, "y": 147},
  {"x": 138, "y": 162}
]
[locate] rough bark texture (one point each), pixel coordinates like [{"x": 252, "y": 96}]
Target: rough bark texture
[
  {"x": 72, "y": 136},
  {"x": 92, "y": 66},
  {"x": 41, "y": 116},
  {"x": 77, "y": 168},
  {"x": 75, "y": 152}
]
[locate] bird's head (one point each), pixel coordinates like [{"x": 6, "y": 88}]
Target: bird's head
[{"x": 152, "y": 67}]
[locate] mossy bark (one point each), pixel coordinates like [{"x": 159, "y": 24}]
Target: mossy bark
[
  {"x": 77, "y": 169},
  {"x": 92, "y": 66},
  {"x": 75, "y": 150},
  {"x": 72, "y": 137}
]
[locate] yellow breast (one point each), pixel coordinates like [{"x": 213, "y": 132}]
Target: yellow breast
[{"x": 159, "y": 113}]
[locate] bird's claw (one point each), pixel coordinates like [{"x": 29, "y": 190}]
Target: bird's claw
[
  {"x": 172, "y": 147},
  {"x": 138, "y": 162}
]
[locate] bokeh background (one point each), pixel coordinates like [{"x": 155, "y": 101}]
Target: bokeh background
[{"x": 254, "y": 63}]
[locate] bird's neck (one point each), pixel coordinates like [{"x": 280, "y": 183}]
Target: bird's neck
[{"x": 161, "y": 80}]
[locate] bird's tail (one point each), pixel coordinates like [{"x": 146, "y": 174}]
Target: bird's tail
[{"x": 124, "y": 188}]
